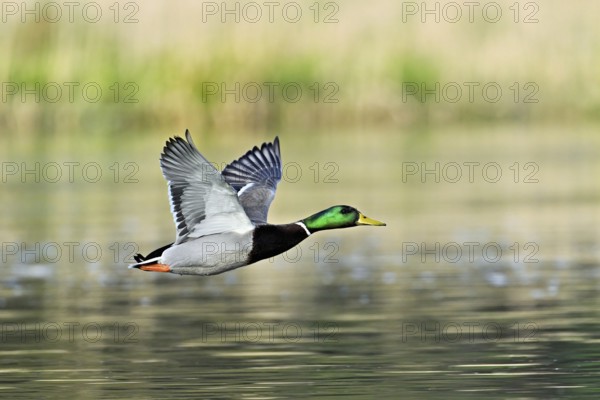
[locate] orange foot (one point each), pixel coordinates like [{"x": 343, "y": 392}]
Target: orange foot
[{"x": 156, "y": 268}]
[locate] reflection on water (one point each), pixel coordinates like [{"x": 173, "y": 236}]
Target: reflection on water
[{"x": 474, "y": 288}]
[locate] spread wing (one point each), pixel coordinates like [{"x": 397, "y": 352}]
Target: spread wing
[
  {"x": 202, "y": 202},
  {"x": 255, "y": 176}
]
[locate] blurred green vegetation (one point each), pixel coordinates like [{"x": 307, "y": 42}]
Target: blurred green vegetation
[{"x": 156, "y": 72}]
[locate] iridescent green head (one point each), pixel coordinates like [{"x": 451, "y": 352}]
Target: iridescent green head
[{"x": 338, "y": 217}]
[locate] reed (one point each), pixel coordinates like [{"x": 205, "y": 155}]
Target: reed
[{"x": 371, "y": 67}]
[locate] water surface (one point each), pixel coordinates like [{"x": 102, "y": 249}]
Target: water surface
[{"x": 423, "y": 308}]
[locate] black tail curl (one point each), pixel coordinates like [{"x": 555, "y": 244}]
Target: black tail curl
[{"x": 156, "y": 253}]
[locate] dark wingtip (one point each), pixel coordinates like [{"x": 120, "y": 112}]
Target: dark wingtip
[
  {"x": 276, "y": 145},
  {"x": 177, "y": 144},
  {"x": 171, "y": 142},
  {"x": 188, "y": 136}
]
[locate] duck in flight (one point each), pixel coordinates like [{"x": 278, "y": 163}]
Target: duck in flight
[{"x": 221, "y": 218}]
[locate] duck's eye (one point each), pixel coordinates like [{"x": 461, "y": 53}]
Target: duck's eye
[{"x": 346, "y": 210}]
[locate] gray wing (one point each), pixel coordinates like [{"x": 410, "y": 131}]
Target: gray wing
[
  {"x": 255, "y": 176},
  {"x": 202, "y": 202}
]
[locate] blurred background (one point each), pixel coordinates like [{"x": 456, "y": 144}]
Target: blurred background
[{"x": 471, "y": 129}]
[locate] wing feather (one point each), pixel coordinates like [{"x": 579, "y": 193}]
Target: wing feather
[
  {"x": 202, "y": 202},
  {"x": 255, "y": 176}
]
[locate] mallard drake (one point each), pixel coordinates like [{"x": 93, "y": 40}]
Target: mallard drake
[{"x": 221, "y": 218}]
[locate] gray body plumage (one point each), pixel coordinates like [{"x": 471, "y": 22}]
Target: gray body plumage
[{"x": 209, "y": 255}]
